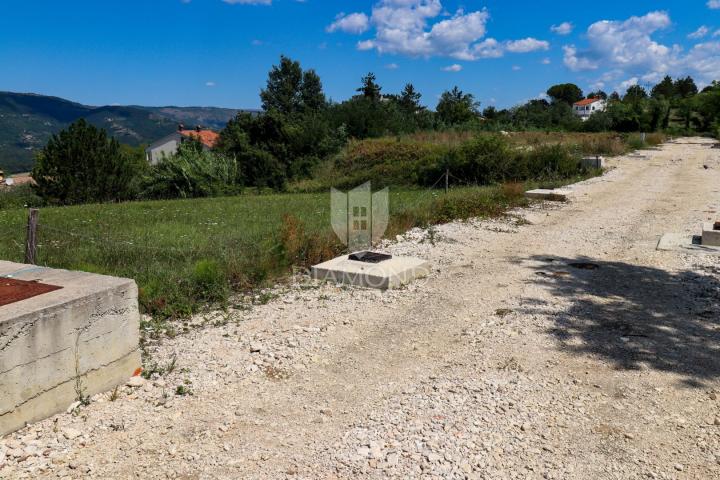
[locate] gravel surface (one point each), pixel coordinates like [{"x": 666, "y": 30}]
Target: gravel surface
[{"x": 553, "y": 343}]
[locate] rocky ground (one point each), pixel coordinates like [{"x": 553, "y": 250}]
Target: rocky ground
[{"x": 554, "y": 343}]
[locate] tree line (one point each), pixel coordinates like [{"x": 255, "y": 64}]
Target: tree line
[{"x": 299, "y": 127}]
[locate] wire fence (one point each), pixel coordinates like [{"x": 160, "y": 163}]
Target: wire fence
[{"x": 54, "y": 244}]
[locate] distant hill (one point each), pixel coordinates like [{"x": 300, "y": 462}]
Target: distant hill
[{"x": 28, "y": 120}]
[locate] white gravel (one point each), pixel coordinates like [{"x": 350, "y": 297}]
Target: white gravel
[{"x": 508, "y": 362}]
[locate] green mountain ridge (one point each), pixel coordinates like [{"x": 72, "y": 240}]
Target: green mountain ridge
[{"x": 28, "y": 120}]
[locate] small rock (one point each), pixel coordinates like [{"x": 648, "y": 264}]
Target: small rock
[
  {"x": 71, "y": 433},
  {"x": 255, "y": 347},
  {"x": 73, "y": 406},
  {"x": 679, "y": 467},
  {"x": 136, "y": 382},
  {"x": 629, "y": 436}
]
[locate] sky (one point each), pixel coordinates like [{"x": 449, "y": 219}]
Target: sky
[{"x": 218, "y": 52}]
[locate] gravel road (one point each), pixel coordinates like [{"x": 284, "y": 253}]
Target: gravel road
[{"x": 554, "y": 343}]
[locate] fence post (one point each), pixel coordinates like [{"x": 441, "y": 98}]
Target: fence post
[
  {"x": 31, "y": 239},
  {"x": 447, "y": 180}
]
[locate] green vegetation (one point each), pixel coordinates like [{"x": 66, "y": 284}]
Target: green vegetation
[
  {"x": 187, "y": 253},
  {"x": 82, "y": 165}
]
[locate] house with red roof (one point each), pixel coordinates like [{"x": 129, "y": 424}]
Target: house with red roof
[
  {"x": 585, "y": 108},
  {"x": 169, "y": 145}
]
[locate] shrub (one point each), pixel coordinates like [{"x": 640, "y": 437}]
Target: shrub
[
  {"x": 82, "y": 165},
  {"x": 191, "y": 173},
  {"x": 19, "y": 197}
]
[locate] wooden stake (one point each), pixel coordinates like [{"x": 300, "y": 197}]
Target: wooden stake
[
  {"x": 31, "y": 239},
  {"x": 447, "y": 180}
]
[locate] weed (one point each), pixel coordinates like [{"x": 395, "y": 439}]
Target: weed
[
  {"x": 115, "y": 394},
  {"x": 182, "y": 390}
]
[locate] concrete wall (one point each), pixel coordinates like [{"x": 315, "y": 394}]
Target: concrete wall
[
  {"x": 156, "y": 153},
  {"x": 80, "y": 339}
]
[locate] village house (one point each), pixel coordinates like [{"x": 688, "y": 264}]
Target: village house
[
  {"x": 585, "y": 108},
  {"x": 169, "y": 145}
]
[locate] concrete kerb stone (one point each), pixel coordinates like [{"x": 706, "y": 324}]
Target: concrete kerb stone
[
  {"x": 385, "y": 275},
  {"x": 710, "y": 236},
  {"x": 556, "y": 195},
  {"x": 77, "y": 341}
]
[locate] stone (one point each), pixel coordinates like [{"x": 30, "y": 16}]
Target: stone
[
  {"x": 593, "y": 162},
  {"x": 135, "y": 382},
  {"x": 73, "y": 406},
  {"x": 557, "y": 195},
  {"x": 385, "y": 275},
  {"x": 89, "y": 327},
  {"x": 710, "y": 236},
  {"x": 71, "y": 433},
  {"x": 679, "y": 467}
]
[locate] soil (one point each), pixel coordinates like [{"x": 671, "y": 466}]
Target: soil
[{"x": 554, "y": 343}]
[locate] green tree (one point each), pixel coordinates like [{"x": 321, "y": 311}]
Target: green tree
[
  {"x": 284, "y": 84},
  {"x": 409, "y": 100},
  {"x": 370, "y": 88},
  {"x": 664, "y": 89},
  {"x": 635, "y": 94},
  {"x": 81, "y": 165},
  {"x": 456, "y": 107},
  {"x": 598, "y": 94},
  {"x": 290, "y": 91},
  {"x": 565, "y": 92},
  {"x": 311, "y": 92},
  {"x": 685, "y": 87}
]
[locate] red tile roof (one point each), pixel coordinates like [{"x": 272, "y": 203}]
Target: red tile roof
[
  {"x": 587, "y": 101},
  {"x": 206, "y": 137}
]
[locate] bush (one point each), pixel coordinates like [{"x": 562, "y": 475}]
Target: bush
[
  {"x": 192, "y": 173},
  {"x": 82, "y": 165},
  {"x": 20, "y": 196}
]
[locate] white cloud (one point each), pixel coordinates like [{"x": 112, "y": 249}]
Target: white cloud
[
  {"x": 353, "y": 23},
  {"x": 713, "y": 4},
  {"x": 627, "y": 50},
  {"x": 417, "y": 28},
  {"x": 392, "y": 66},
  {"x": 453, "y": 68},
  {"x": 699, "y": 33},
  {"x": 527, "y": 45},
  {"x": 248, "y": 2},
  {"x": 546, "y": 61},
  {"x": 256, "y": 43},
  {"x": 516, "y": 68},
  {"x": 210, "y": 84},
  {"x": 564, "y": 28},
  {"x": 623, "y": 86}
]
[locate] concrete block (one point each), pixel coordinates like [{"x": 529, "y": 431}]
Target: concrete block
[
  {"x": 557, "y": 195},
  {"x": 388, "y": 274},
  {"x": 82, "y": 338},
  {"x": 710, "y": 236},
  {"x": 593, "y": 162}
]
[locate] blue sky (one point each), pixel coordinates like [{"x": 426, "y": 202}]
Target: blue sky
[{"x": 218, "y": 52}]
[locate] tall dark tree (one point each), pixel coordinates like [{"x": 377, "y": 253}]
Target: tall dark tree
[
  {"x": 284, "y": 84},
  {"x": 311, "y": 92},
  {"x": 409, "y": 100},
  {"x": 370, "y": 88},
  {"x": 635, "y": 94},
  {"x": 565, "y": 92},
  {"x": 664, "y": 89},
  {"x": 456, "y": 107},
  {"x": 614, "y": 97},
  {"x": 685, "y": 87},
  {"x": 82, "y": 165}
]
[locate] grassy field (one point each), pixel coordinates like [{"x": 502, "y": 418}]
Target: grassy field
[{"x": 187, "y": 253}]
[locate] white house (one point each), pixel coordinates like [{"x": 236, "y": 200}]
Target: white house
[
  {"x": 585, "y": 108},
  {"x": 169, "y": 145}
]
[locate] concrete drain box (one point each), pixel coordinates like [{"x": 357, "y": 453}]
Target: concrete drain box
[
  {"x": 62, "y": 334},
  {"x": 711, "y": 234},
  {"x": 383, "y": 274}
]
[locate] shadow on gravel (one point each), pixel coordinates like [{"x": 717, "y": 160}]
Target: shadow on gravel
[{"x": 637, "y": 317}]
